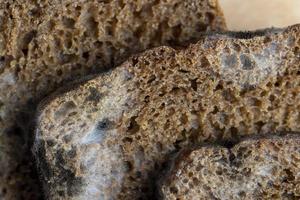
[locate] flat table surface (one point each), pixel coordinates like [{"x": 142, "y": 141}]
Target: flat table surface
[{"x": 258, "y": 14}]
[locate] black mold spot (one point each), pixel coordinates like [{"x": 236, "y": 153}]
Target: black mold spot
[
  {"x": 105, "y": 124},
  {"x": 247, "y": 62}
]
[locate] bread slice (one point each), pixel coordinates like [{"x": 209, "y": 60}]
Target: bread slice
[
  {"x": 265, "y": 168},
  {"x": 45, "y": 43},
  {"x": 109, "y": 136}
]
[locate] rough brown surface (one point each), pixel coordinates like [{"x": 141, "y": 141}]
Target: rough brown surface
[
  {"x": 109, "y": 136},
  {"x": 253, "y": 169},
  {"x": 44, "y": 43}
]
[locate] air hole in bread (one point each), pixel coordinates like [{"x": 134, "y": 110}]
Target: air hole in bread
[
  {"x": 86, "y": 55},
  {"x": 194, "y": 84},
  {"x": 65, "y": 109},
  {"x": 68, "y": 22},
  {"x": 66, "y": 58},
  {"x": 133, "y": 125},
  {"x": 28, "y": 37},
  {"x": 68, "y": 43}
]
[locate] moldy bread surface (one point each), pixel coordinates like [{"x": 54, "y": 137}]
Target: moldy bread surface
[
  {"x": 45, "y": 43},
  {"x": 112, "y": 134},
  {"x": 265, "y": 168}
]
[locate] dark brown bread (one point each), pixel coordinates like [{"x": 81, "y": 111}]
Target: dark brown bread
[
  {"x": 111, "y": 134},
  {"x": 266, "y": 168},
  {"x": 45, "y": 43}
]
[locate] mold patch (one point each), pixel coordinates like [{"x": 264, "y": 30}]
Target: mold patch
[
  {"x": 247, "y": 62},
  {"x": 94, "y": 96},
  {"x": 249, "y": 69},
  {"x": 98, "y": 134}
]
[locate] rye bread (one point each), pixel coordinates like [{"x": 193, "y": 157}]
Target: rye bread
[
  {"x": 45, "y": 43},
  {"x": 108, "y": 137},
  {"x": 265, "y": 168}
]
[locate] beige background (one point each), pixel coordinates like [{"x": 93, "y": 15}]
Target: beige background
[{"x": 256, "y": 14}]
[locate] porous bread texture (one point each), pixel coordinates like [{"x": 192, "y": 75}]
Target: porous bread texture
[
  {"x": 45, "y": 43},
  {"x": 266, "y": 168},
  {"x": 120, "y": 126}
]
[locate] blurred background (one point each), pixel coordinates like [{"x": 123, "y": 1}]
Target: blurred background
[{"x": 257, "y": 14}]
